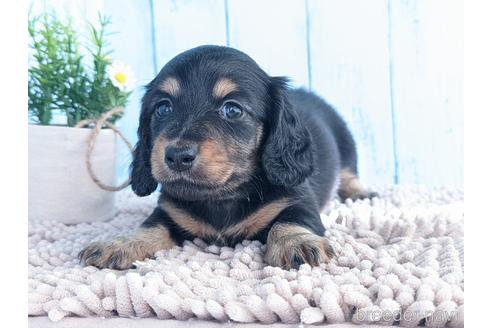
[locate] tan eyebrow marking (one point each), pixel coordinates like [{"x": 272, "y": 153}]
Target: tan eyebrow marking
[
  {"x": 223, "y": 87},
  {"x": 171, "y": 86}
]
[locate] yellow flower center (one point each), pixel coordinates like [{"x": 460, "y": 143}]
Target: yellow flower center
[{"x": 120, "y": 77}]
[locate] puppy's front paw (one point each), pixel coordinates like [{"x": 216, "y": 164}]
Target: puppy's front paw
[
  {"x": 113, "y": 255},
  {"x": 289, "y": 246},
  {"x": 123, "y": 251}
]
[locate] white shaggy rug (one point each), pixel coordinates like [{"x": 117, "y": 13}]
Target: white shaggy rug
[{"x": 399, "y": 261}]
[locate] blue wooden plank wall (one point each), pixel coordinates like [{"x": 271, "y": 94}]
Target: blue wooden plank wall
[{"x": 393, "y": 68}]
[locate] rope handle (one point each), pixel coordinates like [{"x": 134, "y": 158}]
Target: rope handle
[{"x": 91, "y": 141}]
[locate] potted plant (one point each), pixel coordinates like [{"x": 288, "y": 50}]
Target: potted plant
[{"x": 67, "y": 88}]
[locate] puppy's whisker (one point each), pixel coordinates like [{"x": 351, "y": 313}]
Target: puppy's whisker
[{"x": 256, "y": 184}]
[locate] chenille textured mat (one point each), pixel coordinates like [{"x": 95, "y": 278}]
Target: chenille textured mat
[{"x": 399, "y": 262}]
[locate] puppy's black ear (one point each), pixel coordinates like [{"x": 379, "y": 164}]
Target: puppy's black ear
[
  {"x": 142, "y": 181},
  {"x": 288, "y": 155}
]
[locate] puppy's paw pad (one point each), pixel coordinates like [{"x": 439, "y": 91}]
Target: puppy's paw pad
[{"x": 112, "y": 255}]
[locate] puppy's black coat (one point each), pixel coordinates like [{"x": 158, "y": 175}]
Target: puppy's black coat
[{"x": 239, "y": 155}]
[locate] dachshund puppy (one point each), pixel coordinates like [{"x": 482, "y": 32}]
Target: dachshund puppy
[{"x": 239, "y": 155}]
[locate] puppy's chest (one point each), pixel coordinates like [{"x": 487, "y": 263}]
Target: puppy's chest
[{"x": 224, "y": 226}]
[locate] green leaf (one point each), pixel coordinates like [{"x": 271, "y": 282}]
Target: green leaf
[{"x": 59, "y": 77}]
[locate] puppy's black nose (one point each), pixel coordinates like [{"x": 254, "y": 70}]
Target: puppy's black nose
[{"x": 180, "y": 158}]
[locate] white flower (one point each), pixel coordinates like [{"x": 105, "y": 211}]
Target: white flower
[{"x": 122, "y": 76}]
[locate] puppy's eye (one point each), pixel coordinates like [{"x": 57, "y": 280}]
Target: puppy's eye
[
  {"x": 231, "y": 110},
  {"x": 163, "y": 108}
]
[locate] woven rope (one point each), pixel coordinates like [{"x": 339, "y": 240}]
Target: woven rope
[{"x": 91, "y": 141}]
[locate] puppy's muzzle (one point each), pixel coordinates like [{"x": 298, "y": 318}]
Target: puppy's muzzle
[{"x": 181, "y": 158}]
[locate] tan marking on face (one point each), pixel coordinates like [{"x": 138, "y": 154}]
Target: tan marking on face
[
  {"x": 223, "y": 87},
  {"x": 214, "y": 162},
  {"x": 158, "y": 167},
  {"x": 122, "y": 252},
  {"x": 170, "y": 86},
  {"x": 187, "y": 222},
  {"x": 243, "y": 156},
  {"x": 286, "y": 242},
  {"x": 258, "y": 220},
  {"x": 350, "y": 186}
]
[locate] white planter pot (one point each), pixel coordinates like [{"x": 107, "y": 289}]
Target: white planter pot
[{"x": 60, "y": 187}]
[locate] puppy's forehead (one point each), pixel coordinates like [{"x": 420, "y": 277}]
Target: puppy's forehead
[{"x": 204, "y": 67}]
